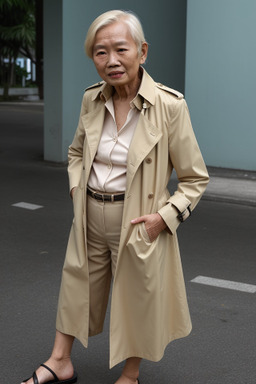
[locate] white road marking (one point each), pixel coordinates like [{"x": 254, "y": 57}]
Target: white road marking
[
  {"x": 250, "y": 288},
  {"x": 27, "y": 206}
]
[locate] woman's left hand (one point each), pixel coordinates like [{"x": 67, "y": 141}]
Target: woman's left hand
[{"x": 154, "y": 224}]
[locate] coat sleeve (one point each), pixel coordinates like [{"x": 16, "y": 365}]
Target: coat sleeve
[
  {"x": 75, "y": 151},
  {"x": 187, "y": 160}
]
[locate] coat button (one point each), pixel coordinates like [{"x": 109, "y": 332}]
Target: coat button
[
  {"x": 148, "y": 160},
  {"x": 151, "y": 195}
]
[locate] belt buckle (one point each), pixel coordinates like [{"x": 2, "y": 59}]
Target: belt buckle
[{"x": 107, "y": 198}]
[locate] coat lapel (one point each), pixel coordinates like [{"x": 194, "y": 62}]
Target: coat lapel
[{"x": 146, "y": 136}]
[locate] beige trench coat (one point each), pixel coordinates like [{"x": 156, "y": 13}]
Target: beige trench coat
[{"x": 149, "y": 305}]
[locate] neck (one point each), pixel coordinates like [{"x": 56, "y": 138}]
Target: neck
[{"x": 125, "y": 93}]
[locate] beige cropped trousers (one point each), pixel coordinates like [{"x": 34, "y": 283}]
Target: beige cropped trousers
[{"x": 104, "y": 221}]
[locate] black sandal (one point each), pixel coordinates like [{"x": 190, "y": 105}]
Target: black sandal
[{"x": 72, "y": 380}]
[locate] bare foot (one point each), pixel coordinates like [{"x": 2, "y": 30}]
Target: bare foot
[{"x": 62, "y": 368}]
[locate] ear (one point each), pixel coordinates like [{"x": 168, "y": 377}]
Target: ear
[{"x": 144, "y": 53}]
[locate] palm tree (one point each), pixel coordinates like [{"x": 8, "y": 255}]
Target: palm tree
[{"x": 17, "y": 35}]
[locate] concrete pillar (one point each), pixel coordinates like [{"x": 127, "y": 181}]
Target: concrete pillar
[{"x": 53, "y": 81}]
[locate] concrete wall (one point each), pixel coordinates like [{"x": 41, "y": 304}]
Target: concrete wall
[
  {"x": 68, "y": 72},
  {"x": 221, "y": 80}
]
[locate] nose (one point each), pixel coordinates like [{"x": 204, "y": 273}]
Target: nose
[{"x": 112, "y": 59}]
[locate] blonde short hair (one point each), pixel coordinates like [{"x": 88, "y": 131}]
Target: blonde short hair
[{"x": 112, "y": 17}]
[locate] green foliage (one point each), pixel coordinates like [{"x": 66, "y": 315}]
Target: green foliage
[
  {"x": 17, "y": 35},
  {"x": 17, "y": 27}
]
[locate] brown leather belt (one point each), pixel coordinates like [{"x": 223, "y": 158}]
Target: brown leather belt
[{"x": 102, "y": 197}]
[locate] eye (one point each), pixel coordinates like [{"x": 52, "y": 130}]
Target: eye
[
  {"x": 100, "y": 53},
  {"x": 122, "y": 50}
]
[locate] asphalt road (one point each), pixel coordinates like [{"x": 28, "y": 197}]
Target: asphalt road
[{"x": 218, "y": 241}]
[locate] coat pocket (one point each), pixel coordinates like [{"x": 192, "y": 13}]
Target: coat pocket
[{"x": 139, "y": 243}]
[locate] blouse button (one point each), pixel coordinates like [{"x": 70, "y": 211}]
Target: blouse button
[
  {"x": 148, "y": 160},
  {"x": 151, "y": 195}
]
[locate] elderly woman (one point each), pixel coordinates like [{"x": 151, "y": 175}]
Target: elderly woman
[{"x": 132, "y": 132}]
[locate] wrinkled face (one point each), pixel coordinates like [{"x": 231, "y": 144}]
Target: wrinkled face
[{"x": 115, "y": 55}]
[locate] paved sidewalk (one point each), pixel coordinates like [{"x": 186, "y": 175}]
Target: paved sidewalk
[
  {"x": 231, "y": 186},
  {"x": 228, "y": 186}
]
